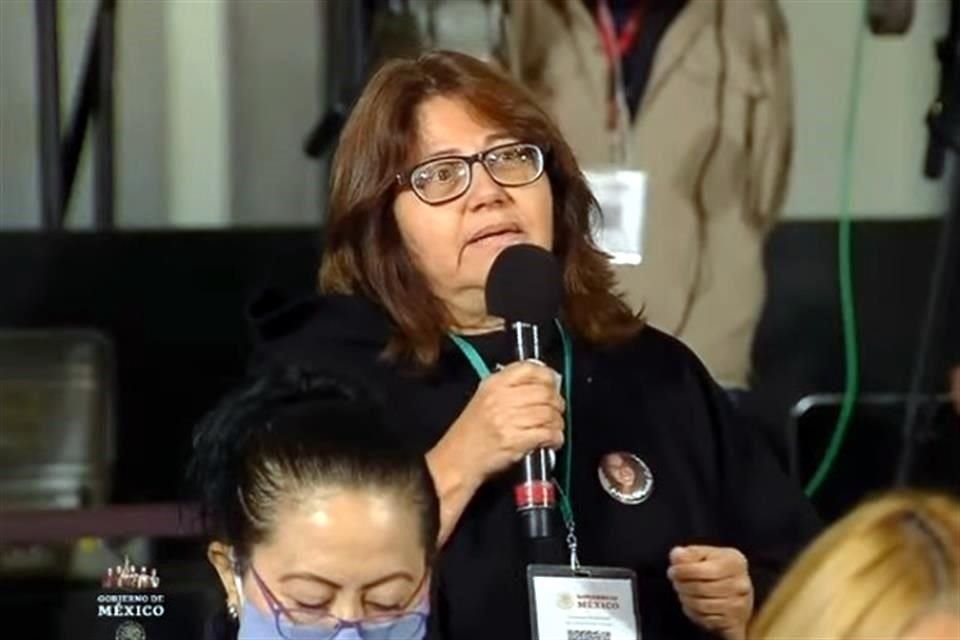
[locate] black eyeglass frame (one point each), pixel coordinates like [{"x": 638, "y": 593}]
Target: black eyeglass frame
[{"x": 405, "y": 180}]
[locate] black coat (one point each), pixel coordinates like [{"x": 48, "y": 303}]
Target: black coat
[{"x": 714, "y": 481}]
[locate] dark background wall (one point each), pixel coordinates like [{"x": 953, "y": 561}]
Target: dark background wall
[
  {"x": 799, "y": 352},
  {"x": 174, "y": 305}
]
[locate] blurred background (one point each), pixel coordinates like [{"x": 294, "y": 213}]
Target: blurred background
[{"x": 161, "y": 162}]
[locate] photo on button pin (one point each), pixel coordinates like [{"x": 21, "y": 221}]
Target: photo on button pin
[{"x": 625, "y": 477}]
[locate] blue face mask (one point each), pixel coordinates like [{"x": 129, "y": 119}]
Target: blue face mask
[{"x": 259, "y": 625}]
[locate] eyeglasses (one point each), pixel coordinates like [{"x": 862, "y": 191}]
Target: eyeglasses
[
  {"x": 316, "y": 624},
  {"x": 447, "y": 178}
]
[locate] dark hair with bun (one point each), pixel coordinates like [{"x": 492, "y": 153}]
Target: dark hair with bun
[{"x": 283, "y": 434}]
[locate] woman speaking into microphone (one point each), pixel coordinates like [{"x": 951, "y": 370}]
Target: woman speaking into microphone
[{"x": 443, "y": 165}]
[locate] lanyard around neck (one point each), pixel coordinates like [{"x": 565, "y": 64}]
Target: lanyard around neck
[
  {"x": 617, "y": 45},
  {"x": 483, "y": 371}
]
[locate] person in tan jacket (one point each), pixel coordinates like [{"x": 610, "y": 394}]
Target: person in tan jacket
[{"x": 704, "y": 108}]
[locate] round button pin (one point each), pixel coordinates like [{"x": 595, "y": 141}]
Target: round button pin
[{"x": 625, "y": 477}]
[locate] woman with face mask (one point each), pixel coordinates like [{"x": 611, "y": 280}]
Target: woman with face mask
[{"x": 322, "y": 527}]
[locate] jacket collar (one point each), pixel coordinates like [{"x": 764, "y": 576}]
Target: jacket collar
[{"x": 676, "y": 42}]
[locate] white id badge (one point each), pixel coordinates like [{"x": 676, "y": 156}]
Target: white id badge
[
  {"x": 589, "y": 603},
  {"x": 622, "y": 196}
]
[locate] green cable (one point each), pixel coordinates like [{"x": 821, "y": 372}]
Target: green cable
[
  {"x": 566, "y": 505},
  {"x": 847, "y": 306}
]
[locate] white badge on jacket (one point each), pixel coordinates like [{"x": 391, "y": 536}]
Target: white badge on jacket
[
  {"x": 592, "y": 602},
  {"x": 622, "y": 195}
]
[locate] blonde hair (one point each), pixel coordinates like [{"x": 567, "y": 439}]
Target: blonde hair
[{"x": 873, "y": 574}]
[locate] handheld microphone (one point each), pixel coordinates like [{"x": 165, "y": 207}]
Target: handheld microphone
[{"x": 525, "y": 288}]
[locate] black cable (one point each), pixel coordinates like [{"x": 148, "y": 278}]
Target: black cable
[
  {"x": 945, "y": 266},
  {"x": 944, "y": 124}
]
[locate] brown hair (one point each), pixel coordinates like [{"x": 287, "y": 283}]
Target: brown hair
[{"x": 364, "y": 253}]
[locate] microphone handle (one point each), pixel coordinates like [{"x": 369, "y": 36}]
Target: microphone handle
[{"x": 535, "y": 495}]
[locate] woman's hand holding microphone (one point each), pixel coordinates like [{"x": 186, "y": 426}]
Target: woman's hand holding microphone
[
  {"x": 519, "y": 409},
  {"x": 513, "y": 411}
]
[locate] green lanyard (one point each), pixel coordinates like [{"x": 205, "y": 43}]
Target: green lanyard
[{"x": 566, "y": 506}]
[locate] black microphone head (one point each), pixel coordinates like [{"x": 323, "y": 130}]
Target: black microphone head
[{"x": 525, "y": 284}]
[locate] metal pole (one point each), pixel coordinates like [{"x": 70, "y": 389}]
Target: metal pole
[
  {"x": 48, "y": 90},
  {"x": 76, "y": 130},
  {"x": 103, "y": 195}
]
